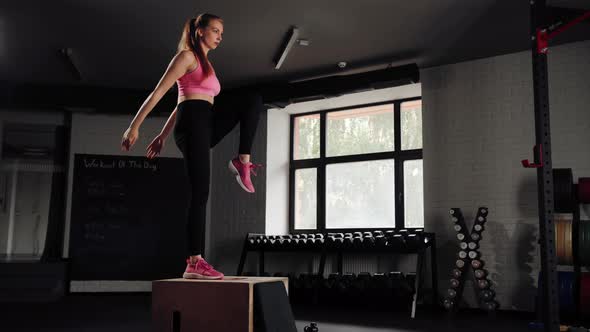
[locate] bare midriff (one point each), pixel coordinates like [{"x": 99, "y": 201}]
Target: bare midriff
[{"x": 192, "y": 96}]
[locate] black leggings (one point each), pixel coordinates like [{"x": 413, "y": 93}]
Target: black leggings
[{"x": 200, "y": 126}]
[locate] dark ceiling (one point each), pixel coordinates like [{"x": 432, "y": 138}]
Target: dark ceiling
[{"x": 128, "y": 44}]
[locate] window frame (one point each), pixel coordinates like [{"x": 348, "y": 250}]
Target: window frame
[{"x": 320, "y": 164}]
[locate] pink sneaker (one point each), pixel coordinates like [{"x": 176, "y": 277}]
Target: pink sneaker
[
  {"x": 201, "y": 270},
  {"x": 242, "y": 172}
]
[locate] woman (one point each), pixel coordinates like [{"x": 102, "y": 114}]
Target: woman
[{"x": 199, "y": 123}]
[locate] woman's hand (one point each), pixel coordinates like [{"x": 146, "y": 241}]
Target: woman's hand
[
  {"x": 129, "y": 138},
  {"x": 155, "y": 147}
]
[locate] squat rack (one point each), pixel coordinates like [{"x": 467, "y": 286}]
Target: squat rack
[{"x": 546, "y": 23}]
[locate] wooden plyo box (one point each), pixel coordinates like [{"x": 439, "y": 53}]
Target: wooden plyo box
[{"x": 185, "y": 305}]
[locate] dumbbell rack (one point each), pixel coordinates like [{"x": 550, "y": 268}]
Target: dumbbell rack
[
  {"x": 401, "y": 241},
  {"x": 467, "y": 256},
  {"x": 261, "y": 243}
]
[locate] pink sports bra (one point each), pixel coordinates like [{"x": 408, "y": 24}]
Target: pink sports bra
[{"x": 194, "y": 82}]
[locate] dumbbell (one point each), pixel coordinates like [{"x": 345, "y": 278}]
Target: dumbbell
[
  {"x": 282, "y": 242},
  {"x": 490, "y": 305},
  {"x": 456, "y": 273},
  {"x": 368, "y": 240},
  {"x": 262, "y": 242},
  {"x": 331, "y": 281},
  {"x": 380, "y": 241},
  {"x": 480, "y": 274},
  {"x": 487, "y": 295},
  {"x": 331, "y": 241},
  {"x": 397, "y": 241},
  {"x": 473, "y": 246},
  {"x": 252, "y": 242},
  {"x": 380, "y": 281},
  {"x": 278, "y": 242},
  {"x": 379, "y": 289},
  {"x": 448, "y": 304},
  {"x": 357, "y": 241},
  {"x": 348, "y": 242},
  {"x": 455, "y": 283},
  {"x": 319, "y": 242},
  {"x": 304, "y": 243},
  {"x": 296, "y": 242},
  {"x": 320, "y": 235},
  {"x": 478, "y": 228},
  {"x": 473, "y": 254},
  {"x": 460, "y": 263},
  {"x": 482, "y": 216},
  {"x": 361, "y": 281},
  {"x": 311, "y": 242},
  {"x": 451, "y": 293},
  {"x": 357, "y": 234},
  {"x": 367, "y": 234},
  {"x": 463, "y": 245},
  {"x": 483, "y": 283},
  {"x": 476, "y": 263},
  {"x": 345, "y": 281},
  {"x": 268, "y": 241},
  {"x": 287, "y": 241},
  {"x": 378, "y": 233},
  {"x": 400, "y": 286},
  {"x": 475, "y": 236},
  {"x": 462, "y": 254},
  {"x": 335, "y": 240},
  {"x": 275, "y": 243}
]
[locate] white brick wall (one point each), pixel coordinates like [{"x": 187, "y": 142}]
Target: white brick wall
[{"x": 478, "y": 124}]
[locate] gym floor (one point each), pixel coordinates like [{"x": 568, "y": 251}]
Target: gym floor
[{"x": 132, "y": 313}]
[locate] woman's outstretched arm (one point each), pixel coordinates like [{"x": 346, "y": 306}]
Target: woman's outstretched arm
[{"x": 177, "y": 67}]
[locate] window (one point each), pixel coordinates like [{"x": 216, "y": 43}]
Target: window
[
  {"x": 357, "y": 168},
  {"x": 31, "y": 173}
]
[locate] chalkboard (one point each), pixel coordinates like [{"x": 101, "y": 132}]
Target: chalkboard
[{"x": 128, "y": 218}]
